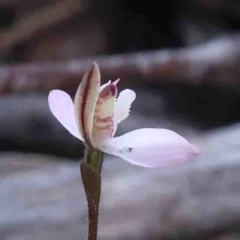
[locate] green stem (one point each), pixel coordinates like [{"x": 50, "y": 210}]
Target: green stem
[
  {"x": 94, "y": 157},
  {"x": 91, "y": 177}
]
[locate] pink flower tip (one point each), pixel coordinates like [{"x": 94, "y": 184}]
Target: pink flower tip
[{"x": 196, "y": 151}]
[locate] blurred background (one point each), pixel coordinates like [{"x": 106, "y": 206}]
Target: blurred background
[{"x": 182, "y": 58}]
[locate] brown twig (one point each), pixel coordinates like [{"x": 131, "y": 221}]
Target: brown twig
[
  {"x": 38, "y": 21},
  {"x": 216, "y": 62}
]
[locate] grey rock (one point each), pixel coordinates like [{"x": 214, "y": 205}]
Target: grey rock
[{"x": 195, "y": 200}]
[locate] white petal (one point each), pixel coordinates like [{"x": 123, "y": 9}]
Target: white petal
[
  {"x": 104, "y": 85},
  {"x": 61, "y": 106},
  {"x": 85, "y": 102},
  {"x": 122, "y": 106},
  {"x": 149, "y": 147}
]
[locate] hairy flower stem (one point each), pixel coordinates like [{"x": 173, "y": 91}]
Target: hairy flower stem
[{"x": 91, "y": 177}]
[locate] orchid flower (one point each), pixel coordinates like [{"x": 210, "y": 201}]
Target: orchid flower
[{"x": 95, "y": 114}]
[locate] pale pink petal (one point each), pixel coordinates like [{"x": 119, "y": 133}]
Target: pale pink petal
[
  {"x": 103, "y": 116},
  {"x": 61, "y": 106},
  {"x": 85, "y": 102},
  {"x": 149, "y": 147},
  {"x": 104, "y": 85},
  {"x": 122, "y": 106}
]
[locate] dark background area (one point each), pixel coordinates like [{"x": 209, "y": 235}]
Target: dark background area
[{"x": 113, "y": 27}]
